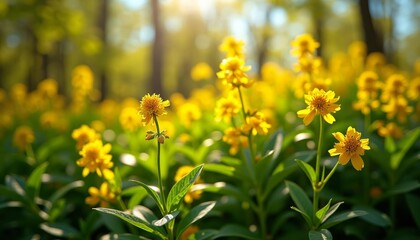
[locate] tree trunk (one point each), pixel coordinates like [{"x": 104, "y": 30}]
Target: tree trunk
[
  {"x": 373, "y": 41},
  {"x": 157, "y": 50},
  {"x": 102, "y": 24}
]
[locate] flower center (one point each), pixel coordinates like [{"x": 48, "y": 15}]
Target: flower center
[
  {"x": 92, "y": 154},
  {"x": 351, "y": 144},
  {"x": 319, "y": 103}
]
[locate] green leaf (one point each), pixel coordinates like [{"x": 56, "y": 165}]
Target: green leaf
[
  {"x": 122, "y": 236},
  {"x": 374, "y": 217},
  {"x": 165, "y": 219},
  {"x": 338, "y": 218},
  {"x": 233, "y": 230},
  {"x": 320, "y": 214},
  {"x": 144, "y": 213},
  {"x": 13, "y": 195},
  {"x": 331, "y": 211},
  {"x": 305, "y": 216},
  {"x": 63, "y": 230},
  {"x": 308, "y": 170},
  {"x": 34, "y": 181},
  {"x": 194, "y": 215},
  {"x": 220, "y": 168},
  {"x": 413, "y": 203},
  {"x": 405, "y": 144},
  {"x": 178, "y": 191},
  {"x": 146, "y": 226},
  {"x": 62, "y": 191},
  {"x": 223, "y": 189},
  {"x": 390, "y": 145},
  {"x": 403, "y": 188},
  {"x": 323, "y": 234},
  {"x": 152, "y": 193},
  {"x": 300, "y": 198}
]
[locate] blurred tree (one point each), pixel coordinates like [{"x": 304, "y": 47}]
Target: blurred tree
[
  {"x": 372, "y": 38},
  {"x": 103, "y": 35},
  {"x": 157, "y": 50}
]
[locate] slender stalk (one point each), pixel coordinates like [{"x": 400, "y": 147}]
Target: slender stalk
[
  {"x": 317, "y": 185},
  {"x": 162, "y": 193},
  {"x": 329, "y": 175}
]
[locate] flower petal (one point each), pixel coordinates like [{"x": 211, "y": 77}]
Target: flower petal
[{"x": 357, "y": 162}]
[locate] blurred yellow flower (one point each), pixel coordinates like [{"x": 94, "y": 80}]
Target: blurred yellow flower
[
  {"x": 48, "y": 88},
  {"x": 304, "y": 44},
  {"x": 82, "y": 79},
  {"x": 227, "y": 107},
  {"x": 84, "y": 135},
  {"x": 367, "y": 92},
  {"x": 233, "y": 73},
  {"x": 191, "y": 195},
  {"x": 152, "y": 106},
  {"x": 188, "y": 113},
  {"x": 235, "y": 138},
  {"x": 257, "y": 124},
  {"x": 357, "y": 50},
  {"x": 96, "y": 158},
  {"x": 22, "y": 137},
  {"x": 129, "y": 119},
  {"x": 232, "y": 47},
  {"x": 102, "y": 196},
  {"x": 319, "y": 102},
  {"x": 350, "y": 147},
  {"x": 201, "y": 71},
  {"x": 391, "y": 129},
  {"x": 413, "y": 91},
  {"x": 19, "y": 92},
  {"x": 395, "y": 86},
  {"x": 375, "y": 61},
  {"x": 397, "y": 107},
  {"x": 308, "y": 64}
]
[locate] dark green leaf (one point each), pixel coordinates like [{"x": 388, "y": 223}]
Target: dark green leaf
[
  {"x": 146, "y": 226},
  {"x": 374, "y": 217},
  {"x": 305, "y": 216},
  {"x": 300, "y": 198},
  {"x": 320, "y": 214},
  {"x": 122, "y": 236},
  {"x": 180, "y": 189},
  {"x": 222, "y": 188},
  {"x": 194, "y": 215},
  {"x": 62, "y": 191},
  {"x": 233, "y": 230},
  {"x": 413, "y": 203},
  {"x": 404, "y": 188},
  {"x": 220, "y": 168},
  {"x": 323, "y": 234},
  {"x": 405, "y": 144},
  {"x": 34, "y": 181},
  {"x": 152, "y": 193},
  {"x": 144, "y": 213},
  {"x": 390, "y": 145},
  {"x": 341, "y": 217},
  {"x": 308, "y": 170},
  {"x": 165, "y": 219},
  {"x": 63, "y": 230},
  {"x": 331, "y": 211}
]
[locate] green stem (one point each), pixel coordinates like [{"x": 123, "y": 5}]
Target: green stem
[
  {"x": 317, "y": 185},
  {"x": 262, "y": 216},
  {"x": 329, "y": 175},
  {"x": 162, "y": 193}
]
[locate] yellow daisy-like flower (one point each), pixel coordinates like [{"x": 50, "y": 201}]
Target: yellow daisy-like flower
[
  {"x": 189, "y": 112},
  {"x": 129, "y": 119},
  {"x": 232, "y": 47},
  {"x": 257, "y": 124},
  {"x": 84, "y": 135},
  {"x": 95, "y": 158},
  {"x": 390, "y": 129},
  {"x": 236, "y": 139},
  {"x": 395, "y": 86},
  {"x": 304, "y": 44},
  {"x": 227, "y": 107},
  {"x": 413, "y": 91},
  {"x": 350, "y": 147},
  {"x": 201, "y": 71},
  {"x": 102, "y": 196},
  {"x": 233, "y": 72},
  {"x": 23, "y": 136},
  {"x": 397, "y": 107},
  {"x": 152, "y": 105},
  {"x": 319, "y": 102}
]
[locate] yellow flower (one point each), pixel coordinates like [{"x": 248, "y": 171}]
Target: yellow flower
[
  {"x": 304, "y": 44},
  {"x": 319, "y": 102},
  {"x": 397, "y": 107},
  {"x": 152, "y": 106},
  {"x": 395, "y": 86},
  {"x": 257, "y": 124},
  {"x": 102, "y": 196},
  {"x": 390, "y": 129},
  {"x": 82, "y": 80},
  {"x": 368, "y": 85},
  {"x": 48, "y": 87},
  {"x": 191, "y": 195},
  {"x": 308, "y": 64},
  {"x": 375, "y": 60},
  {"x": 95, "y": 158},
  {"x": 201, "y": 71},
  {"x": 232, "y": 47},
  {"x": 350, "y": 147},
  {"x": 227, "y": 107},
  {"x": 235, "y": 138},
  {"x": 188, "y": 113},
  {"x": 129, "y": 119},
  {"x": 233, "y": 73},
  {"x": 23, "y": 136},
  {"x": 413, "y": 92},
  {"x": 84, "y": 135}
]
